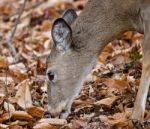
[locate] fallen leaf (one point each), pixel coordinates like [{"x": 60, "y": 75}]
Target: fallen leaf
[
  {"x": 18, "y": 67},
  {"x": 21, "y": 115},
  {"x": 53, "y": 121},
  {"x": 9, "y": 107},
  {"x": 77, "y": 124},
  {"x": 5, "y": 117},
  {"x": 18, "y": 71},
  {"x": 36, "y": 111},
  {"x": 3, "y": 63},
  {"x": 2, "y": 88},
  {"x": 8, "y": 79},
  {"x": 3, "y": 126},
  {"x": 119, "y": 84},
  {"x": 107, "y": 101},
  {"x": 13, "y": 126},
  {"x": 23, "y": 94},
  {"x": 44, "y": 126}
]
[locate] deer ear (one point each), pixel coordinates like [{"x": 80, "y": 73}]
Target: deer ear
[
  {"x": 62, "y": 35},
  {"x": 70, "y": 16}
]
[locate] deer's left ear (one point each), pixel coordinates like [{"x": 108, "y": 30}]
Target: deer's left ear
[
  {"x": 70, "y": 16},
  {"x": 62, "y": 35}
]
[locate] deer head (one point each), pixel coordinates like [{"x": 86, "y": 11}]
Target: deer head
[{"x": 63, "y": 70}]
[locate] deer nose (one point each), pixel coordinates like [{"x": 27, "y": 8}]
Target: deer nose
[
  {"x": 63, "y": 114},
  {"x": 55, "y": 114},
  {"x": 58, "y": 110}
]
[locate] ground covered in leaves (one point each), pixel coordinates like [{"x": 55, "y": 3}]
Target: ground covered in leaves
[{"x": 107, "y": 98}]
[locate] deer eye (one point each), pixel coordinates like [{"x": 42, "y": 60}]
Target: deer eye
[{"x": 51, "y": 76}]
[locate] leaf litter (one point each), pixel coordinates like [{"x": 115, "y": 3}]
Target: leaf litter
[{"x": 106, "y": 100}]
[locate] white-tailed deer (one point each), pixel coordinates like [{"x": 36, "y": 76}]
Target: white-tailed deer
[{"x": 78, "y": 42}]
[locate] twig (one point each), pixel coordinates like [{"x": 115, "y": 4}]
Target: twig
[
  {"x": 9, "y": 42},
  {"x": 6, "y": 91},
  {"x": 26, "y": 9}
]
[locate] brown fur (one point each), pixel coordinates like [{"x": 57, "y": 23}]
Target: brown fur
[{"x": 100, "y": 22}]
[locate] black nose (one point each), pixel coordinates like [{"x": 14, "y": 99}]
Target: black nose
[
  {"x": 47, "y": 114},
  {"x": 52, "y": 116}
]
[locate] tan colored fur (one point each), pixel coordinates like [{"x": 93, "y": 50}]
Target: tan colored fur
[{"x": 100, "y": 22}]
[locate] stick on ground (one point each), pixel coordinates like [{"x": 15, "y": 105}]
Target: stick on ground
[{"x": 10, "y": 40}]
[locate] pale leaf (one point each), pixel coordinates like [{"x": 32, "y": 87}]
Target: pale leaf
[
  {"x": 9, "y": 107},
  {"x": 23, "y": 95}
]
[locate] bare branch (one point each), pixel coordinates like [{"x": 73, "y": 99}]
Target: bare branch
[
  {"x": 10, "y": 42},
  {"x": 26, "y": 9}
]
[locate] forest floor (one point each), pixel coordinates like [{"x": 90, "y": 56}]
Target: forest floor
[{"x": 107, "y": 98}]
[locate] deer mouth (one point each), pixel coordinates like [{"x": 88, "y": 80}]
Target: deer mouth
[{"x": 61, "y": 111}]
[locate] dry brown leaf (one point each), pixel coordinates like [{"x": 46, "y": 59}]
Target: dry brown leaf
[
  {"x": 44, "y": 126},
  {"x": 54, "y": 2},
  {"x": 82, "y": 102},
  {"x": 104, "y": 55},
  {"x": 107, "y": 101},
  {"x": 46, "y": 25},
  {"x": 5, "y": 117},
  {"x": 18, "y": 71},
  {"x": 15, "y": 127},
  {"x": 119, "y": 84},
  {"x": 3, "y": 63},
  {"x": 2, "y": 98},
  {"x": 3, "y": 126},
  {"x": 2, "y": 89},
  {"x": 53, "y": 121},
  {"x": 6, "y": 7},
  {"x": 20, "y": 122},
  {"x": 120, "y": 58},
  {"x": 118, "y": 120},
  {"x": 36, "y": 111},
  {"x": 21, "y": 115},
  {"x": 23, "y": 94},
  {"x": 77, "y": 124}
]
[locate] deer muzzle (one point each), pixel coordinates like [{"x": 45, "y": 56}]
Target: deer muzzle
[{"x": 60, "y": 111}]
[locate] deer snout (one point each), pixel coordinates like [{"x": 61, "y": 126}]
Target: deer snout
[{"x": 60, "y": 111}]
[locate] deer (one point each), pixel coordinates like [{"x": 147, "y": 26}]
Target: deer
[{"x": 78, "y": 41}]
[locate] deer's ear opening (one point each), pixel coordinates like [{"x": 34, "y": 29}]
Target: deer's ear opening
[
  {"x": 70, "y": 16},
  {"x": 61, "y": 34}
]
